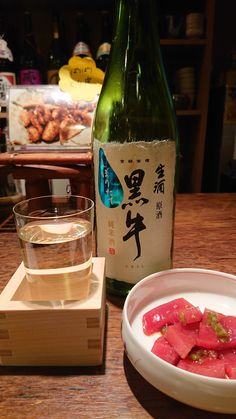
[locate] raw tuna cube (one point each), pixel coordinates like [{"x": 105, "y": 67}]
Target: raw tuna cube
[
  {"x": 229, "y": 324},
  {"x": 217, "y": 331},
  {"x": 164, "y": 350},
  {"x": 230, "y": 370},
  {"x": 210, "y": 315},
  {"x": 191, "y": 329},
  {"x": 207, "y": 337},
  {"x": 199, "y": 354},
  {"x": 154, "y": 320},
  {"x": 229, "y": 357},
  {"x": 181, "y": 339},
  {"x": 210, "y": 367},
  {"x": 186, "y": 315}
]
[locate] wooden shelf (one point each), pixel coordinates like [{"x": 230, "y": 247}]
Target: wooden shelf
[
  {"x": 195, "y": 53},
  {"x": 183, "y": 42},
  {"x": 54, "y": 158},
  {"x": 189, "y": 112}
]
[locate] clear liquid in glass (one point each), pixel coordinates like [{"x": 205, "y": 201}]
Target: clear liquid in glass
[{"x": 57, "y": 257}]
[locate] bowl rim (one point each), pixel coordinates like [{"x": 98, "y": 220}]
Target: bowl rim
[{"x": 198, "y": 377}]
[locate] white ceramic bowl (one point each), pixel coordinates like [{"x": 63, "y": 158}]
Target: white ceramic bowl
[{"x": 204, "y": 288}]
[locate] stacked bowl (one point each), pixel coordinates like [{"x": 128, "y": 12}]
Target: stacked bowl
[{"x": 186, "y": 83}]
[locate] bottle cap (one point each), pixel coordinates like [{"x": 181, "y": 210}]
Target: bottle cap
[
  {"x": 81, "y": 48},
  {"x": 103, "y": 49}
]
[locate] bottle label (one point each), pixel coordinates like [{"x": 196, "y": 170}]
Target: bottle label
[
  {"x": 5, "y": 52},
  {"x": 30, "y": 76},
  {"x": 104, "y": 49},
  {"x": 6, "y": 80},
  {"x": 81, "y": 48},
  {"x": 134, "y": 186},
  {"x": 52, "y": 77}
]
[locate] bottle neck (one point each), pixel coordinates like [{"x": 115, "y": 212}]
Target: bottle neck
[
  {"x": 29, "y": 39},
  {"x": 82, "y": 48},
  {"x": 27, "y": 24},
  {"x": 135, "y": 57},
  {"x": 135, "y": 77},
  {"x": 106, "y": 28},
  {"x": 28, "y": 29},
  {"x": 82, "y": 29},
  {"x": 136, "y": 26},
  {"x": 56, "y": 35},
  {"x": 55, "y": 30}
]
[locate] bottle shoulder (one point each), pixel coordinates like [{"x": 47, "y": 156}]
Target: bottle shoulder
[
  {"x": 115, "y": 122},
  {"x": 56, "y": 54}
]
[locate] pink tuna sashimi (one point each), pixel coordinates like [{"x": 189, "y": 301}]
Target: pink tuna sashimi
[
  {"x": 208, "y": 316},
  {"x": 181, "y": 338},
  {"x": 229, "y": 324},
  {"x": 207, "y": 337},
  {"x": 209, "y": 367},
  {"x": 190, "y": 329},
  {"x": 165, "y": 351},
  {"x": 154, "y": 320},
  {"x": 230, "y": 370},
  {"x": 229, "y": 357},
  {"x": 186, "y": 315},
  {"x": 200, "y": 354},
  {"x": 217, "y": 331}
]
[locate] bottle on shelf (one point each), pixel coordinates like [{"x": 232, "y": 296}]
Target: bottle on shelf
[
  {"x": 57, "y": 56},
  {"x": 3, "y": 123},
  {"x": 7, "y": 65},
  {"x": 103, "y": 51},
  {"x": 82, "y": 46},
  {"x": 135, "y": 149},
  {"x": 30, "y": 68}
]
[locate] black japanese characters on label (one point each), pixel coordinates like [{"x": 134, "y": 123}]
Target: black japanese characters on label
[
  {"x": 135, "y": 222},
  {"x": 159, "y": 185}
]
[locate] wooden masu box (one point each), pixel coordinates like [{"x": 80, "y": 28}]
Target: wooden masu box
[{"x": 40, "y": 333}]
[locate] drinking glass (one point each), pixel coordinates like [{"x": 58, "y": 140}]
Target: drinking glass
[{"x": 56, "y": 234}]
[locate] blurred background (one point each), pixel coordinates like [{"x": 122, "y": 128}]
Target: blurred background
[{"x": 198, "y": 41}]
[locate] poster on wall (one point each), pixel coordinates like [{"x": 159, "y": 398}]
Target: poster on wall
[{"x": 44, "y": 118}]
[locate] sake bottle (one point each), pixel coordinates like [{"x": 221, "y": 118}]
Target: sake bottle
[
  {"x": 103, "y": 51},
  {"x": 30, "y": 73},
  {"x": 135, "y": 149},
  {"x": 56, "y": 57},
  {"x": 82, "y": 47},
  {"x": 7, "y": 64}
]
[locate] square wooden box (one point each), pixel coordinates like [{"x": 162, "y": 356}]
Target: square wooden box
[{"x": 39, "y": 333}]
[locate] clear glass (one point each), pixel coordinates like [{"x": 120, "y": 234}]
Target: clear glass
[{"x": 56, "y": 234}]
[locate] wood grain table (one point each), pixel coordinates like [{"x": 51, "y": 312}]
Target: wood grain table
[{"x": 205, "y": 237}]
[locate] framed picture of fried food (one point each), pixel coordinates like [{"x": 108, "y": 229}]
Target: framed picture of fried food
[{"x": 44, "y": 118}]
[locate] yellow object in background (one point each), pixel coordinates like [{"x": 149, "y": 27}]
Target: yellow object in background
[{"x": 81, "y": 78}]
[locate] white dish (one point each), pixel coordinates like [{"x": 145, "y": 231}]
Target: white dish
[{"x": 204, "y": 288}]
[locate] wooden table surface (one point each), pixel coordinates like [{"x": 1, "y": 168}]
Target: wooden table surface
[{"x": 205, "y": 237}]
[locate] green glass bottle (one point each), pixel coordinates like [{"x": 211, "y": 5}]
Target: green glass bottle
[
  {"x": 82, "y": 47},
  {"x": 103, "y": 51},
  {"x": 135, "y": 148},
  {"x": 30, "y": 61},
  {"x": 56, "y": 57}
]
